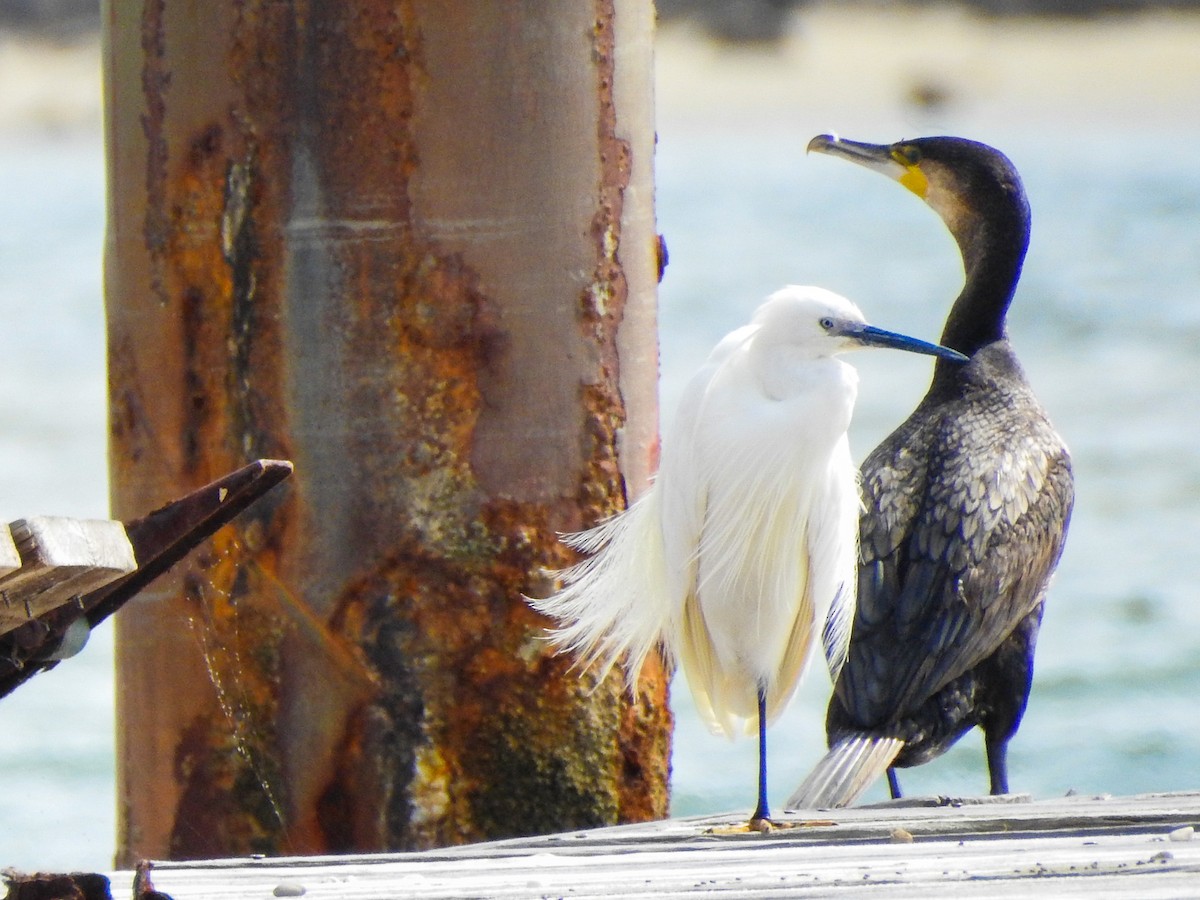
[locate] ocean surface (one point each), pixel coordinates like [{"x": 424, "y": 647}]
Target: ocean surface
[{"x": 1107, "y": 323}]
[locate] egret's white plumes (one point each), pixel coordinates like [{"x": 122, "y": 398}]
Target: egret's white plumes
[
  {"x": 734, "y": 558},
  {"x": 742, "y": 555},
  {"x": 627, "y": 567}
]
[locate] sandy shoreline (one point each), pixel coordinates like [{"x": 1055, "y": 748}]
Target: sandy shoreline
[
  {"x": 912, "y": 67},
  {"x": 49, "y": 85},
  {"x": 882, "y": 66}
]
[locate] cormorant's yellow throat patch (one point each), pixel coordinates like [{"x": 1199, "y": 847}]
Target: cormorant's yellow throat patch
[
  {"x": 914, "y": 179},
  {"x": 909, "y": 158}
]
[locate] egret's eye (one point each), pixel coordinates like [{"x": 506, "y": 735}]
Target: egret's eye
[
  {"x": 827, "y": 323},
  {"x": 908, "y": 155}
]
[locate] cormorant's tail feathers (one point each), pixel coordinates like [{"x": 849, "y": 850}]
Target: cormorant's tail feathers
[{"x": 850, "y": 767}]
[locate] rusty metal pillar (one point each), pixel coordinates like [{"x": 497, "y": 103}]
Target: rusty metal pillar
[{"x": 409, "y": 246}]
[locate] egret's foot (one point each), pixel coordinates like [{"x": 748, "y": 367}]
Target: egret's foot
[
  {"x": 761, "y": 824},
  {"x": 766, "y": 826},
  {"x": 762, "y": 812},
  {"x": 761, "y": 820}
]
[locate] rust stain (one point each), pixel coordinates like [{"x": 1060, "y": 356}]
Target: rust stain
[
  {"x": 227, "y": 764},
  {"x": 602, "y": 488},
  {"x": 499, "y": 739},
  {"x": 239, "y": 249},
  {"x": 645, "y": 726},
  {"x": 156, "y": 79},
  {"x": 224, "y": 760},
  {"x": 200, "y": 277},
  {"x": 232, "y": 350}
]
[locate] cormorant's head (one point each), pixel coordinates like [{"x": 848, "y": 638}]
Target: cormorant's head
[
  {"x": 972, "y": 186},
  {"x": 978, "y": 194}
]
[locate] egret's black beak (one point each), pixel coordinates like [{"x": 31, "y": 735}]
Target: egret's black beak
[{"x": 870, "y": 336}]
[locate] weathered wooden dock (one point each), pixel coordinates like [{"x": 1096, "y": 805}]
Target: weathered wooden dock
[
  {"x": 61, "y": 577},
  {"x": 1139, "y": 846}
]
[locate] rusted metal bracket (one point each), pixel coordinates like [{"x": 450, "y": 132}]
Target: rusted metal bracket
[{"x": 159, "y": 541}]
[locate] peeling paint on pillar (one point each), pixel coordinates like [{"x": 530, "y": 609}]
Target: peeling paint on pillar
[{"x": 393, "y": 243}]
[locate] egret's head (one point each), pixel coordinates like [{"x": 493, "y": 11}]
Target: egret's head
[
  {"x": 824, "y": 323},
  {"x": 965, "y": 182}
]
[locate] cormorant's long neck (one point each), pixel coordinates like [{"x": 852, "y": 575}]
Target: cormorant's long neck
[{"x": 993, "y": 249}]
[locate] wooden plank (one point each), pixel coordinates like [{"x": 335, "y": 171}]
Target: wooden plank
[
  {"x": 1073, "y": 847},
  {"x": 10, "y": 559},
  {"x": 159, "y": 540},
  {"x": 60, "y": 558}
]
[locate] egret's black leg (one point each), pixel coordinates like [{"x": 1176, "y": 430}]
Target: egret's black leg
[
  {"x": 893, "y": 783},
  {"x": 763, "y": 811},
  {"x": 997, "y": 760}
]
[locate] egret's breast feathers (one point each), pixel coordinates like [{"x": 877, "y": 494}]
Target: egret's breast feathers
[{"x": 774, "y": 472}]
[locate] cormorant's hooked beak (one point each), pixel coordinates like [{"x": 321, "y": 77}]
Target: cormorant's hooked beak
[
  {"x": 870, "y": 336},
  {"x": 896, "y": 161}
]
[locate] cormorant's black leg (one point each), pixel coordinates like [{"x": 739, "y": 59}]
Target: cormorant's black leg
[
  {"x": 763, "y": 811},
  {"x": 997, "y": 760},
  {"x": 1005, "y": 678},
  {"x": 893, "y": 783}
]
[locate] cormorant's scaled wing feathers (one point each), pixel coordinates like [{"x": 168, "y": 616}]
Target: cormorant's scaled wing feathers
[{"x": 951, "y": 560}]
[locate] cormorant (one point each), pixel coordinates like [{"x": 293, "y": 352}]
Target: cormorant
[{"x": 966, "y": 507}]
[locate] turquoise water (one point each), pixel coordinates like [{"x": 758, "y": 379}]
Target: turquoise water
[
  {"x": 57, "y": 799},
  {"x": 1107, "y": 323}
]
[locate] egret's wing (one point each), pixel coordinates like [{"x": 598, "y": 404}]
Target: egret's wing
[
  {"x": 681, "y": 479},
  {"x": 710, "y": 688},
  {"x": 795, "y": 661},
  {"x": 683, "y": 496},
  {"x": 830, "y": 551},
  {"x": 837, "y": 554},
  {"x": 835, "y": 636},
  {"x": 956, "y": 549}
]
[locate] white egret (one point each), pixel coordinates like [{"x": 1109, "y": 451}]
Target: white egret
[
  {"x": 966, "y": 508},
  {"x": 743, "y": 551}
]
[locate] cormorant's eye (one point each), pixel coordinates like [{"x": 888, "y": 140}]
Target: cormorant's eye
[
  {"x": 908, "y": 155},
  {"x": 827, "y": 323}
]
